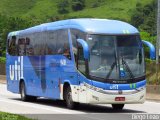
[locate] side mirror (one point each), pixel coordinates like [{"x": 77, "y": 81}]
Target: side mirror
[
  {"x": 85, "y": 48},
  {"x": 152, "y": 49}
]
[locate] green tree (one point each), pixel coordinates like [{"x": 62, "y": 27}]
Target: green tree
[
  {"x": 9, "y": 24},
  {"x": 63, "y": 6},
  {"x": 78, "y": 5},
  {"x": 144, "y": 17},
  {"x": 148, "y": 37}
]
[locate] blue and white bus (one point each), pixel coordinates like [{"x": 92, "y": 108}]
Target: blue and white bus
[{"x": 93, "y": 61}]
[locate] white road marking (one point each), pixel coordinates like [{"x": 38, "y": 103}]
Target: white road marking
[{"x": 36, "y": 107}]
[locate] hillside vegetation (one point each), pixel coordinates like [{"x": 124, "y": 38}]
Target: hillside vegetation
[
  {"x": 21, "y": 14},
  {"x": 44, "y": 9}
]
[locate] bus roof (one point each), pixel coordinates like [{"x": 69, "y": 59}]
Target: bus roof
[{"x": 101, "y": 26}]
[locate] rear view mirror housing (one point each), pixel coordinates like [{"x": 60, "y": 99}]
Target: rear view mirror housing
[
  {"x": 85, "y": 48},
  {"x": 151, "y": 48}
]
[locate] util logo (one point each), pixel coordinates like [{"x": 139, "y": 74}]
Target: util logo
[{"x": 16, "y": 70}]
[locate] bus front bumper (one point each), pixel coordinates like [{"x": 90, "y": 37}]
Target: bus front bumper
[{"x": 105, "y": 97}]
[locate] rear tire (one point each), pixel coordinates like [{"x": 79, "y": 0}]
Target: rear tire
[
  {"x": 25, "y": 97},
  {"x": 117, "y": 106},
  {"x": 68, "y": 98}
]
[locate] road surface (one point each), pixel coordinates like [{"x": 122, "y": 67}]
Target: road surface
[{"x": 44, "y": 109}]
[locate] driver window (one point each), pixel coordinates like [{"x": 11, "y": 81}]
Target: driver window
[
  {"x": 76, "y": 34},
  {"x": 81, "y": 61}
]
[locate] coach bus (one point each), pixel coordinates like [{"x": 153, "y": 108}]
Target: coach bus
[{"x": 92, "y": 61}]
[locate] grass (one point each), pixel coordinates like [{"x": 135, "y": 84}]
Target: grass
[
  {"x": 43, "y": 9},
  {"x": 8, "y": 116},
  {"x": 115, "y": 9},
  {"x": 119, "y": 9},
  {"x": 16, "y": 7}
]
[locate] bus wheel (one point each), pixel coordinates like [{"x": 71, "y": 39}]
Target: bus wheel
[
  {"x": 68, "y": 97},
  {"x": 117, "y": 106},
  {"x": 25, "y": 97}
]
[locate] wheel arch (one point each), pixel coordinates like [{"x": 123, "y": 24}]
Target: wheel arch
[{"x": 65, "y": 86}]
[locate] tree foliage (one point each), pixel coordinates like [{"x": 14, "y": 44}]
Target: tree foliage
[
  {"x": 63, "y": 6},
  {"x": 78, "y": 5},
  {"x": 9, "y": 24},
  {"x": 144, "y": 17},
  {"x": 148, "y": 37}
]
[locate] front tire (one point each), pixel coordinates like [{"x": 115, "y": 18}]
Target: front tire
[
  {"x": 68, "y": 97},
  {"x": 117, "y": 106}
]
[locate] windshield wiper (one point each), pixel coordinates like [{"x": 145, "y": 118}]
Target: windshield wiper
[
  {"x": 128, "y": 69},
  {"x": 112, "y": 67}
]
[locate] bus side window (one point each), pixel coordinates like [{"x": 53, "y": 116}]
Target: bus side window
[
  {"x": 81, "y": 61},
  {"x": 29, "y": 47},
  {"x": 63, "y": 46},
  {"x": 75, "y": 35},
  {"x": 38, "y": 45},
  {"x": 12, "y": 46},
  {"x": 42, "y": 43},
  {"x": 51, "y": 43},
  {"x": 21, "y": 47}
]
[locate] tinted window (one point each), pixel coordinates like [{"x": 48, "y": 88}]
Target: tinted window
[
  {"x": 81, "y": 61},
  {"x": 21, "y": 47},
  {"x": 29, "y": 46},
  {"x": 42, "y": 43},
  {"x": 39, "y": 43},
  {"x": 128, "y": 41},
  {"x": 75, "y": 35},
  {"x": 51, "y": 39},
  {"x": 12, "y": 46},
  {"x": 63, "y": 46}
]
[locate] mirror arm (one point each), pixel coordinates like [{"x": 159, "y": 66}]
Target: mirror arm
[
  {"x": 152, "y": 49},
  {"x": 86, "y": 54},
  {"x": 85, "y": 48}
]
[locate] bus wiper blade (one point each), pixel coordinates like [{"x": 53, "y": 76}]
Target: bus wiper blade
[
  {"x": 112, "y": 67},
  {"x": 128, "y": 69}
]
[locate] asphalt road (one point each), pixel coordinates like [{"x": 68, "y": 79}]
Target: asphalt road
[{"x": 44, "y": 109}]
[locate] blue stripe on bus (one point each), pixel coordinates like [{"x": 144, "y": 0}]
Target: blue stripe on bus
[{"x": 108, "y": 86}]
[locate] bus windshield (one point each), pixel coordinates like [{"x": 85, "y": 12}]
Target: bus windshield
[{"x": 118, "y": 57}]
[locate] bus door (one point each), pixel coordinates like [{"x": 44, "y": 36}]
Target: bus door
[{"x": 81, "y": 76}]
